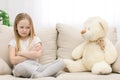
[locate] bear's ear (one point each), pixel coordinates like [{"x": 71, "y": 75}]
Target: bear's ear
[{"x": 104, "y": 26}]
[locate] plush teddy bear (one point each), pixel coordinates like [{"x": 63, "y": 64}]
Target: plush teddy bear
[{"x": 96, "y": 53}]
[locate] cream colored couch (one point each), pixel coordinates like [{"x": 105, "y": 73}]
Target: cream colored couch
[{"x": 58, "y": 42}]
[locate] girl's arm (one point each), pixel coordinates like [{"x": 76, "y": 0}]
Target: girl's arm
[
  {"x": 14, "y": 59},
  {"x": 34, "y": 53}
]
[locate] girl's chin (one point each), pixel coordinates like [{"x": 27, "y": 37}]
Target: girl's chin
[{"x": 24, "y": 37}]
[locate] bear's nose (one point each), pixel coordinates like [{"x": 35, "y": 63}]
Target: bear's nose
[{"x": 83, "y": 31}]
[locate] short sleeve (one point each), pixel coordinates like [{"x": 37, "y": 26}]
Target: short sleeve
[
  {"x": 12, "y": 43},
  {"x": 36, "y": 40}
]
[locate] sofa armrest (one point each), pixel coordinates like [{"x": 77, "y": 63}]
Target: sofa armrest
[
  {"x": 117, "y": 45},
  {"x": 116, "y": 65}
]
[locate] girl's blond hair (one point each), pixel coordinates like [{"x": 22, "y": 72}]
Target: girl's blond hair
[{"x": 19, "y": 17}]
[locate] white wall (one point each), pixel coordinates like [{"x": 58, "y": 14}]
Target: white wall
[
  {"x": 4, "y": 5},
  {"x": 18, "y": 6},
  {"x": 74, "y": 12},
  {"x": 49, "y": 12}
]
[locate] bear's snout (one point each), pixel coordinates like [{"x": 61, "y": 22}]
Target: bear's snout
[{"x": 83, "y": 31}]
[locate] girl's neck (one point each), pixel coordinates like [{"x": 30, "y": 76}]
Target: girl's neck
[{"x": 24, "y": 38}]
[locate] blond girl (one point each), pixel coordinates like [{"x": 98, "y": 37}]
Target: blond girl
[{"x": 26, "y": 48}]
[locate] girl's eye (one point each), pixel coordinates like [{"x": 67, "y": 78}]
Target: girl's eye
[
  {"x": 28, "y": 27},
  {"x": 21, "y": 27}
]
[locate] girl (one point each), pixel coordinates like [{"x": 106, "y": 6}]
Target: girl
[{"x": 25, "y": 49}]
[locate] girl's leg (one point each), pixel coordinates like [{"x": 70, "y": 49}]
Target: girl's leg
[
  {"x": 50, "y": 69},
  {"x": 40, "y": 69},
  {"x": 25, "y": 69}
]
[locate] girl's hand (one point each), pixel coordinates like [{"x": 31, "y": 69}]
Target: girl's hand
[
  {"x": 33, "y": 53},
  {"x": 37, "y": 47},
  {"x": 19, "y": 53}
]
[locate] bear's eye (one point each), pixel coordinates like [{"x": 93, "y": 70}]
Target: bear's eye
[{"x": 88, "y": 28}]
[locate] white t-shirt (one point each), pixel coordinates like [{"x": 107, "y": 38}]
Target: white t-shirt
[{"x": 24, "y": 43}]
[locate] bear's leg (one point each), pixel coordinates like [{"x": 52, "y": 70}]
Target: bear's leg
[
  {"x": 74, "y": 66},
  {"x": 101, "y": 68}
]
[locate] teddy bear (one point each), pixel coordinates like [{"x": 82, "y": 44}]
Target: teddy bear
[{"x": 96, "y": 53}]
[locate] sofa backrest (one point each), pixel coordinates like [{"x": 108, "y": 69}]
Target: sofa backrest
[
  {"x": 69, "y": 37},
  {"x": 47, "y": 35},
  {"x": 57, "y": 42},
  {"x": 6, "y": 34},
  {"x": 112, "y": 34}
]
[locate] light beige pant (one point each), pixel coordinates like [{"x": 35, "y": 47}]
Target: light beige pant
[{"x": 33, "y": 69}]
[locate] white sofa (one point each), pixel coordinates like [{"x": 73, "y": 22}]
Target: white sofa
[{"x": 58, "y": 42}]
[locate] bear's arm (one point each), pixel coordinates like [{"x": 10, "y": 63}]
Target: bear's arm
[
  {"x": 110, "y": 52},
  {"x": 78, "y": 51}
]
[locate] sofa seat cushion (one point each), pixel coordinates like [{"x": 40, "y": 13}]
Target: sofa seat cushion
[
  {"x": 10, "y": 77},
  {"x": 87, "y": 76},
  {"x": 6, "y": 77}
]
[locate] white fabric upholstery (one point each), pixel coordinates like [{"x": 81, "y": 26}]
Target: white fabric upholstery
[
  {"x": 57, "y": 41},
  {"x": 48, "y": 38},
  {"x": 6, "y": 34},
  {"x": 4, "y": 67},
  {"x": 116, "y": 65},
  {"x": 68, "y": 38},
  {"x": 88, "y": 76}
]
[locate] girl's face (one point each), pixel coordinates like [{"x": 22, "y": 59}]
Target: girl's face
[{"x": 23, "y": 28}]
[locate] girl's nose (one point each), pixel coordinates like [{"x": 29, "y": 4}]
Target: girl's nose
[{"x": 24, "y": 29}]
